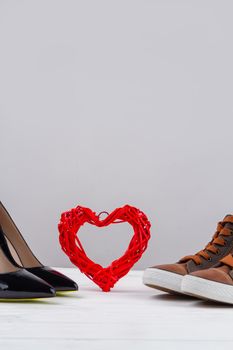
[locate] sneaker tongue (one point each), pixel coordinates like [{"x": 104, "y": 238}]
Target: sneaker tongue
[
  {"x": 229, "y": 216},
  {"x": 228, "y": 224}
]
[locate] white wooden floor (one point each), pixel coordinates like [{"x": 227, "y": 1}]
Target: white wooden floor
[{"x": 132, "y": 316}]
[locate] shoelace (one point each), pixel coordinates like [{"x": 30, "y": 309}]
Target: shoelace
[{"x": 210, "y": 247}]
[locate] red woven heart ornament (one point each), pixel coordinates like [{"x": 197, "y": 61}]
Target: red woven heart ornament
[{"x": 104, "y": 277}]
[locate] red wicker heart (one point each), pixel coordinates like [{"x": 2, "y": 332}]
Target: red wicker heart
[{"x": 105, "y": 277}]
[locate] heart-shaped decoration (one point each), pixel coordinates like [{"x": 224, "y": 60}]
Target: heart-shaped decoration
[{"x": 104, "y": 277}]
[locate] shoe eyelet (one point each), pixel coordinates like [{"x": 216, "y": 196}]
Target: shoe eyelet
[
  {"x": 217, "y": 252},
  {"x": 209, "y": 259}
]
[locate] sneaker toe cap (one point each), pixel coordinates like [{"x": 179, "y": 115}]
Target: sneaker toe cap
[{"x": 175, "y": 268}]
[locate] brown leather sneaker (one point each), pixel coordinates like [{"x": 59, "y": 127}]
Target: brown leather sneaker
[
  {"x": 212, "y": 284},
  {"x": 168, "y": 277}
]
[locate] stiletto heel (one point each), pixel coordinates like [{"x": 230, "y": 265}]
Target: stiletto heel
[{"x": 25, "y": 258}]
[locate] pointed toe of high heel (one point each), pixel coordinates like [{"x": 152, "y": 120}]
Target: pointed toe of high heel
[
  {"x": 22, "y": 284},
  {"x": 60, "y": 282},
  {"x": 24, "y": 259}
]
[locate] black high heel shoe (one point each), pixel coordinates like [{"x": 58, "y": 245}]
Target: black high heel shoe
[
  {"x": 18, "y": 283},
  {"x": 25, "y": 258}
]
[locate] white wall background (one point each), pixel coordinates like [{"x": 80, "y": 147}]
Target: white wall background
[{"x": 104, "y": 103}]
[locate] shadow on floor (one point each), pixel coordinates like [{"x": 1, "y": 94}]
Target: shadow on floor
[
  {"x": 28, "y": 301},
  {"x": 208, "y": 304},
  {"x": 203, "y": 304},
  {"x": 70, "y": 295},
  {"x": 173, "y": 297}
]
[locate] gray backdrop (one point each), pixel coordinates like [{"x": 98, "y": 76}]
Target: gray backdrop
[{"x": 104, "y": 103}]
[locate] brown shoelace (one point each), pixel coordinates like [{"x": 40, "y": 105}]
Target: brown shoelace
[{"x": 211, "y": 246}]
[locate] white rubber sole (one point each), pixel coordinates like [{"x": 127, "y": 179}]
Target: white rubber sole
[
  {"x": 163, "y": 280},
  {"x": 206, "y": 289}
]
